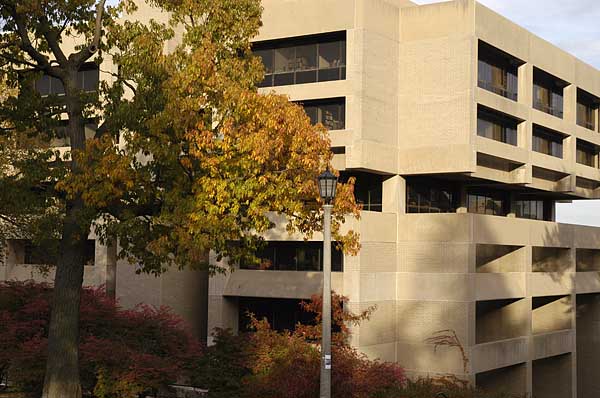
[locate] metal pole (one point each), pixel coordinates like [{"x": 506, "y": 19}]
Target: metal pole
[{"x": 325, "y": 391}]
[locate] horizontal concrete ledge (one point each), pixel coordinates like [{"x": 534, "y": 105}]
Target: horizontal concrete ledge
[
  {"x": 279, "y": 284},
  {"x": 94, "y": 275},
  {"x": 372, "y": 227},
  {"x": 587, "y": 282},
  {"x": 553, "y": 343},
  {"x": 433, "y": 286},
  {"x": 550, "y": 283},
  {"x": 495, "y": 286},
  {"x": 498, "y": 354},
  {"x": 494, "y": 230}
]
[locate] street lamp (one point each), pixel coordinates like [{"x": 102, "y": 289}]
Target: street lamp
[{"x": 327, "y": 183}]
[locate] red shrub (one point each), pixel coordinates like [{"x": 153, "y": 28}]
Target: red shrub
[
  {"x": 122, "y": 352},
  {"x": 287, "y": 364}
]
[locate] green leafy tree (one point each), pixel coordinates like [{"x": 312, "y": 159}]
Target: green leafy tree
[{"x": 187, "y": 156}]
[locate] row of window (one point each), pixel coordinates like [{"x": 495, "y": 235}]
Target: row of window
[
  {"x": 87, "y": 80},
  {"x": 503, "y": 128},
  {"x": 497, "y": 204},
  {"x": 433, "y": 196},
  {"x": 29, "y": 253},
  {"x": 303, "y": 60},
  {"x": 498, "y": 73},
  {"x": 331, "y": 112},
  {"x": 295, "y": 256}
]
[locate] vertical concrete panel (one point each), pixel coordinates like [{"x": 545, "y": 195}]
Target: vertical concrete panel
[
  {"x": 588, "y": 345},
  {"x": 511, "y": 380},
  {"x": 552, "y": 377}
]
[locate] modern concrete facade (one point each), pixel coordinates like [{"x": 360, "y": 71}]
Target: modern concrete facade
[
  {"x": 521, "y": 294},
  {"x": 463, "y": 130}
]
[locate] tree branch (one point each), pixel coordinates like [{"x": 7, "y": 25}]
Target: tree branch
[
  {"x": 85, "y": 54},
  {"x": 101, "y": 130},
  {"x": 8, "y": 44},
  {"x": 120, "y": 79},
  {"x": 9, "y": 220},
  {"x": 96, "y": 42},
  {"x": 52, "y": 39},
  {"x": 21, "y": 62},
  {"x": 26, "y": 45}
]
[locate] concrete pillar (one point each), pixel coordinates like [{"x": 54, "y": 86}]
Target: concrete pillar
[
  {"x": 525, "y": 94},
  {"x": 588, "y": 345},
  {"x": 570, "y": 104},
  {"x": 394, "y": 195},
  {"x": 111, "y": 270},
  {"x": 184, "y": 291}
]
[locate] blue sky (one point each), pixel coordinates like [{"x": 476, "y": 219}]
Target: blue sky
[{"x": 573, "y": 25}]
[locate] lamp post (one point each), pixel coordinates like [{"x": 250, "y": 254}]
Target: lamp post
[{"x": 327, "y": 183}]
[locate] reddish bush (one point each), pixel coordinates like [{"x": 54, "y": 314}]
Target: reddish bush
[
  {"x": 274, "y": 364},
  {"x": 123, "y": 352}
]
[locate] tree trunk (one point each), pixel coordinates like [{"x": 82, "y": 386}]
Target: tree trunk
[{"x": 62, "y": 366}]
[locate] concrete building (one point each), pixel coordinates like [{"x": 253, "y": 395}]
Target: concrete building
[{"x": 463, "y": 131}]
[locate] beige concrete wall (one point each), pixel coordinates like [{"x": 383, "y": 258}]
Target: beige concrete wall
[
  {"x": 101, "y": 273},
  {"x": 184, "y": 291},
  {"x": 436, "y": 82},
  {"x": 550, "y": 316}
]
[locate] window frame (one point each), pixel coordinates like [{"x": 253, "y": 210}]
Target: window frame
[
  {"x": 486, "y": 197},
  {"x": 540, "y": 133},
  {"x": 494, "y": 63},
  {"x": 584, "y": 148},
  {"x": 286, "y": 256},
  {"x": 339, "y": 102},
  {"x": 552, "y": 87},
  {"x": 587, "y": 108},
  {"x": 498, "y": 121},
  {"x": 293, "y": 74}
]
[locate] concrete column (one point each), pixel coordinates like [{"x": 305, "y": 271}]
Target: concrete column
[
  {"x": 588, "y": 345},
  {"x": 525, "y": 94},
  {"x": 394, "y": 195},
  {"x": 111, "y": 270},
  {"x": 570, "y": 104},
  {"x": 186, "y": 292},
  {"x": 463, "y": 205}
]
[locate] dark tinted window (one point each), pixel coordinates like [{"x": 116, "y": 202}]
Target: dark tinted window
[
  {"x": 295, "y": 256},
  {"x": 586, "y": 153},
  {"x": 368, "y": 189},
  {"x": 587, "y": 108},
  {"x": 532, "y": 209},
  {"x": 486, "y": 203},
  {"x": 301, "y": 60},
  {"x": 497, "y": 71},
  {"x": 548, "y": 93},
  {"x": 547, "y": 142},
  {"x": 329, "y": 112},
  {"x": 496, "y": 126},
  {"x": 87, "y": 80},
  {"x": 429, "y": 197},
  {"x": 282, "y": 314},
  {"x": 41, "y": 255}
]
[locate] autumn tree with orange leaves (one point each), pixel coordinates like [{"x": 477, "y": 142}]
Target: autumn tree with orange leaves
[{"x": 187, "y": 156}]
